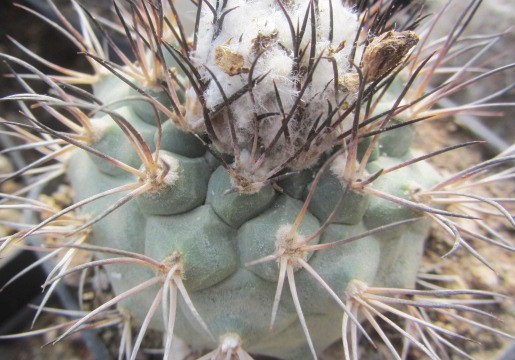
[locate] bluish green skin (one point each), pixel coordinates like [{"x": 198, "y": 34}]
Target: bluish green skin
[{"x": 217, "y": 233}]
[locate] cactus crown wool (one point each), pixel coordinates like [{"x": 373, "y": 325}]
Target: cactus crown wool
[{"x": 273, "y": 145}]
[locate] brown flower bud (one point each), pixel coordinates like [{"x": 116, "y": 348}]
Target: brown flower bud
[{"x": 386, "y": 52}]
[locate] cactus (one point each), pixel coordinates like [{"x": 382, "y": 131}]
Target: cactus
[{"x": 272, "y": 145}]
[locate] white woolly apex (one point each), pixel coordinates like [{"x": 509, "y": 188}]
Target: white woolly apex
[
  {"x": 255, "y": 26},
  {"x": 255, "y": 41}
]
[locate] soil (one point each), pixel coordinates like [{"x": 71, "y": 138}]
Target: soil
[{"x": 468, "y": 272}]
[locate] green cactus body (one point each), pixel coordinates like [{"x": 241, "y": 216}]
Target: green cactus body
[{"x": 218, "y": 233}]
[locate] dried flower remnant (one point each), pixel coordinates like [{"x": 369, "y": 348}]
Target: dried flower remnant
[
  {"x": 229, "y": 61},
  {"x": 264, "y": 41},
  {"x": 385, "y": 52}
]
